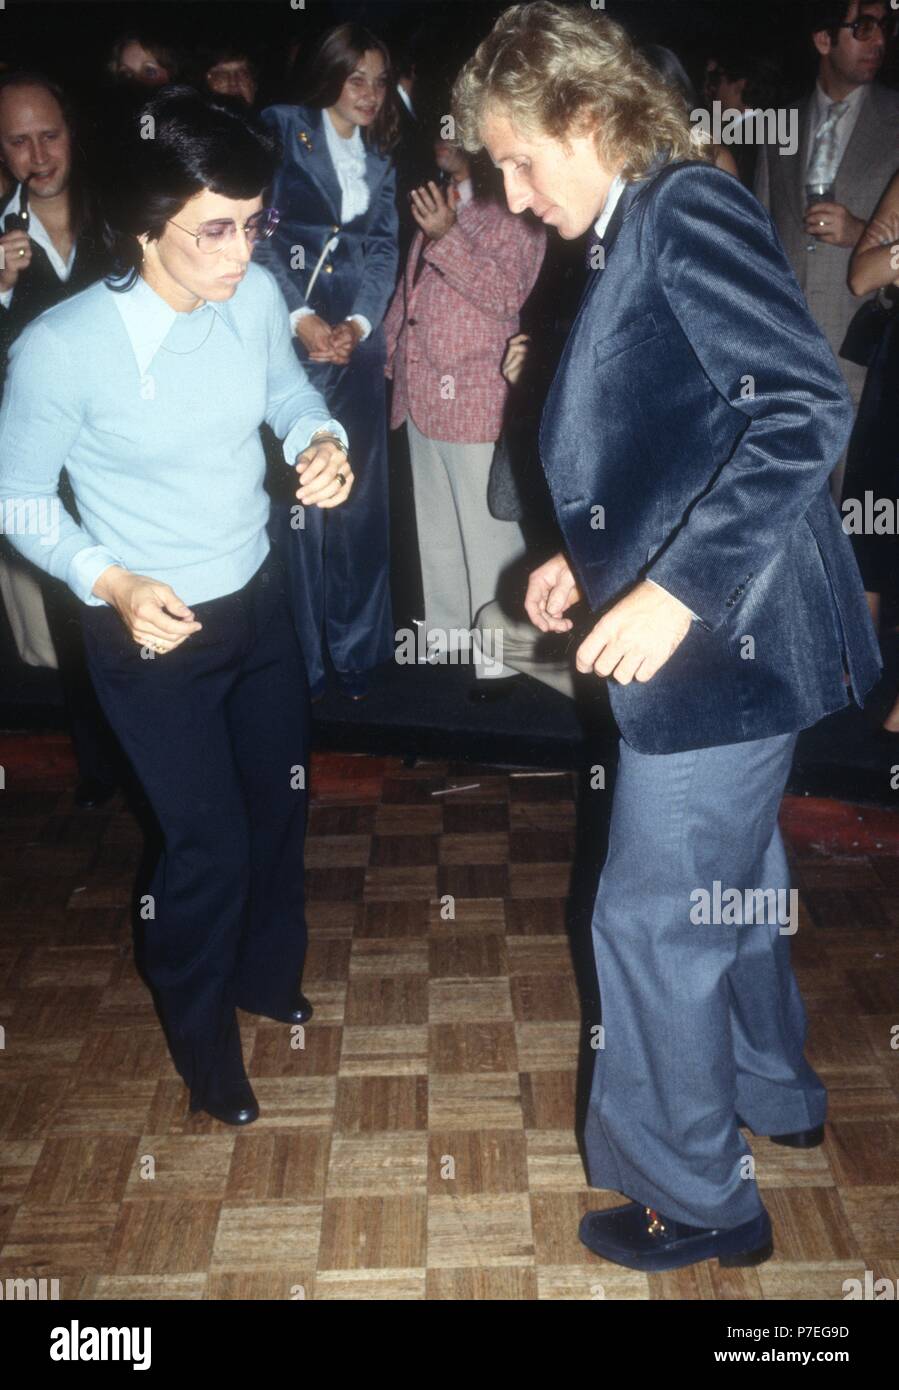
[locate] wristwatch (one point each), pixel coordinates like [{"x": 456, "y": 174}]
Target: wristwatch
[{"x": 325, "y": 437}]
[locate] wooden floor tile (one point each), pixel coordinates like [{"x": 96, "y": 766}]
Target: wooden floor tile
[
  {"x": 416, "y": 1138},
  {"x": 371, "y": 1104},
  {"x": 380, "y": 1232},
  {"x": 491, "y": 1229},
  {"x": 463, "y": 1163},
  {"x": 262, "y": 1234}
]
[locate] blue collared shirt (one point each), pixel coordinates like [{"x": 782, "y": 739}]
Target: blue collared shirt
[{"x": 155, "y": 415}]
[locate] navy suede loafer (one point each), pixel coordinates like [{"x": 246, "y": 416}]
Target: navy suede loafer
[
  {"x": 355, "y": 685},
  {"x": 641, "y": 1238},
  {"x": 802, "y": 1139}
]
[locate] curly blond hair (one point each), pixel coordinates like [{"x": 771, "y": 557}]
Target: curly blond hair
[{"x": 552, "y": 70}]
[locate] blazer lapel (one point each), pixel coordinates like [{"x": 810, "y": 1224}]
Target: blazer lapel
[
  {"x": 866, "y": 135},
  {"x": 630, "y": 195},
  {"x": 311, "y": 151},
  {"x": 622, "y": 208}
]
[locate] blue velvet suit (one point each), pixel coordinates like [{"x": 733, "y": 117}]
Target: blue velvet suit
[
  {"x": 699, "y": 405},
  {"x": 688, "y": 436},
  {"x": 338, "y": 560}
]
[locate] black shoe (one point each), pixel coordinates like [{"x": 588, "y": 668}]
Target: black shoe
[
  {"x": 239, "y": 1106},
  {"x": 641, "y": 1238},
  {"x": 91, "y": 792},
  {"x": 300, "y": 1012},
  {"x": 488, "y": 691},
  {"x": 353, "y": 684},
  {"x": 802, "y": 1139}
]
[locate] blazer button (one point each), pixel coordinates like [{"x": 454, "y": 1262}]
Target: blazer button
[
  {"x": 335, "y": 229},
  {"x": 329, "y": 269}
]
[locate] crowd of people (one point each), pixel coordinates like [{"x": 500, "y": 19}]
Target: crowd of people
[
  {"x": 432, "y": 318},
  {"x": 303, "y": 283}
]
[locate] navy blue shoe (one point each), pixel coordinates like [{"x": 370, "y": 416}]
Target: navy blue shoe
[
  {"x": 300, "y": 1011},
  {"x": 801, "y": 1139},
  {"x": 640, "y": 1238},
  {"x": 354, "y": 685}
]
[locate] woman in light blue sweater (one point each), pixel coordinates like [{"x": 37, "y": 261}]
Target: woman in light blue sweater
[{"x": 150, "y": 390}]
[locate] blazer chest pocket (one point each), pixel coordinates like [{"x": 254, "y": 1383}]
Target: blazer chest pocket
[{"x": 629, "y": 335}]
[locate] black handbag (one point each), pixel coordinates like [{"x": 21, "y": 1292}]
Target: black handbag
[
  {"x": 867, "y": 327},
  {"x": 504, "y": 500}
]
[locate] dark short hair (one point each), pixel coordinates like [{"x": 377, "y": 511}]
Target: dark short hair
[
  {"x": 171, "y": 147},
  {"x": 229, "y": 51},
  {"x": 829, "y": 15},
  {"x": 763, "y": 76}
]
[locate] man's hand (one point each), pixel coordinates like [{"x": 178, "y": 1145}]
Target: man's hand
[
  {"x": 840, "y": 227},
  {"x": 637, "y": 636},
  {"x": 431, "y": 210},
  {"x": 15, "y": 256},
  {"x": 325, "y": 474},
  {"x": 551, "y": 589},
  {"x": 151, "y": 611}
]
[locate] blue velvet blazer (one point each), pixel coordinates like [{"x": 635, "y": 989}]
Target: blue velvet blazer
[
  {"x": 359, "y": 276},
  {"x": 688, "y": 436}
]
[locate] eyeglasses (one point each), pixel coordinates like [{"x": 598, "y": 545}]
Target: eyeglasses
[
  {"x": 213, "y": 236},
  {"x": 864, "y": 27}
]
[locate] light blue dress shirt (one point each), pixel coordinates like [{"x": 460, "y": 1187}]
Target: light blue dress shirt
[{"x": 155, "y": 415}]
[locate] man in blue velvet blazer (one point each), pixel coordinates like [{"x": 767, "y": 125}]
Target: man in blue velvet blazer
[
  {"x": 714, "y": 410},
  {"x": 687, "y": 439}
]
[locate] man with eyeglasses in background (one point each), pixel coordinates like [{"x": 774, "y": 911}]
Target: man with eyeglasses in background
[{"x": 848, "y": 147}]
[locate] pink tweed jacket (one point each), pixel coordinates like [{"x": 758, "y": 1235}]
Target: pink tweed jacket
[{"x": 446, "y": 336}]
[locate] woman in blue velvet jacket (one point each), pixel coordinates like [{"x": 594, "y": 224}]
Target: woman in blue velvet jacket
[{"x": 335, "y": 257}]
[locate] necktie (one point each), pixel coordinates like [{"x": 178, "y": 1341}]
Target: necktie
[{"x": 822, "y": 165}]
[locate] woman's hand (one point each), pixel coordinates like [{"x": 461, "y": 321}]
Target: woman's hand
[
  {"x": 325, "y": 474},
  {"x": 344, "y": 337},
  {"x": 551, "y": 589},
  {"x": 152, "y": 612},
  {"x": 515, "y": 357},
  {"x": 314, "y": 333},
  {"x": 875, "y": 260}
]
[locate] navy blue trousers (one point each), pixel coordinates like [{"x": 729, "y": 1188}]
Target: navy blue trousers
[
  {"x": 339, "y": 560},
  {"x": 217, "y": 732}
]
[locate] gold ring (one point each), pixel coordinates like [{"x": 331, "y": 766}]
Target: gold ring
[
  {"x": 341, "y": 479},
  {"x": 21, "y": 251},
  {"x": 821, "y": 224}
]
